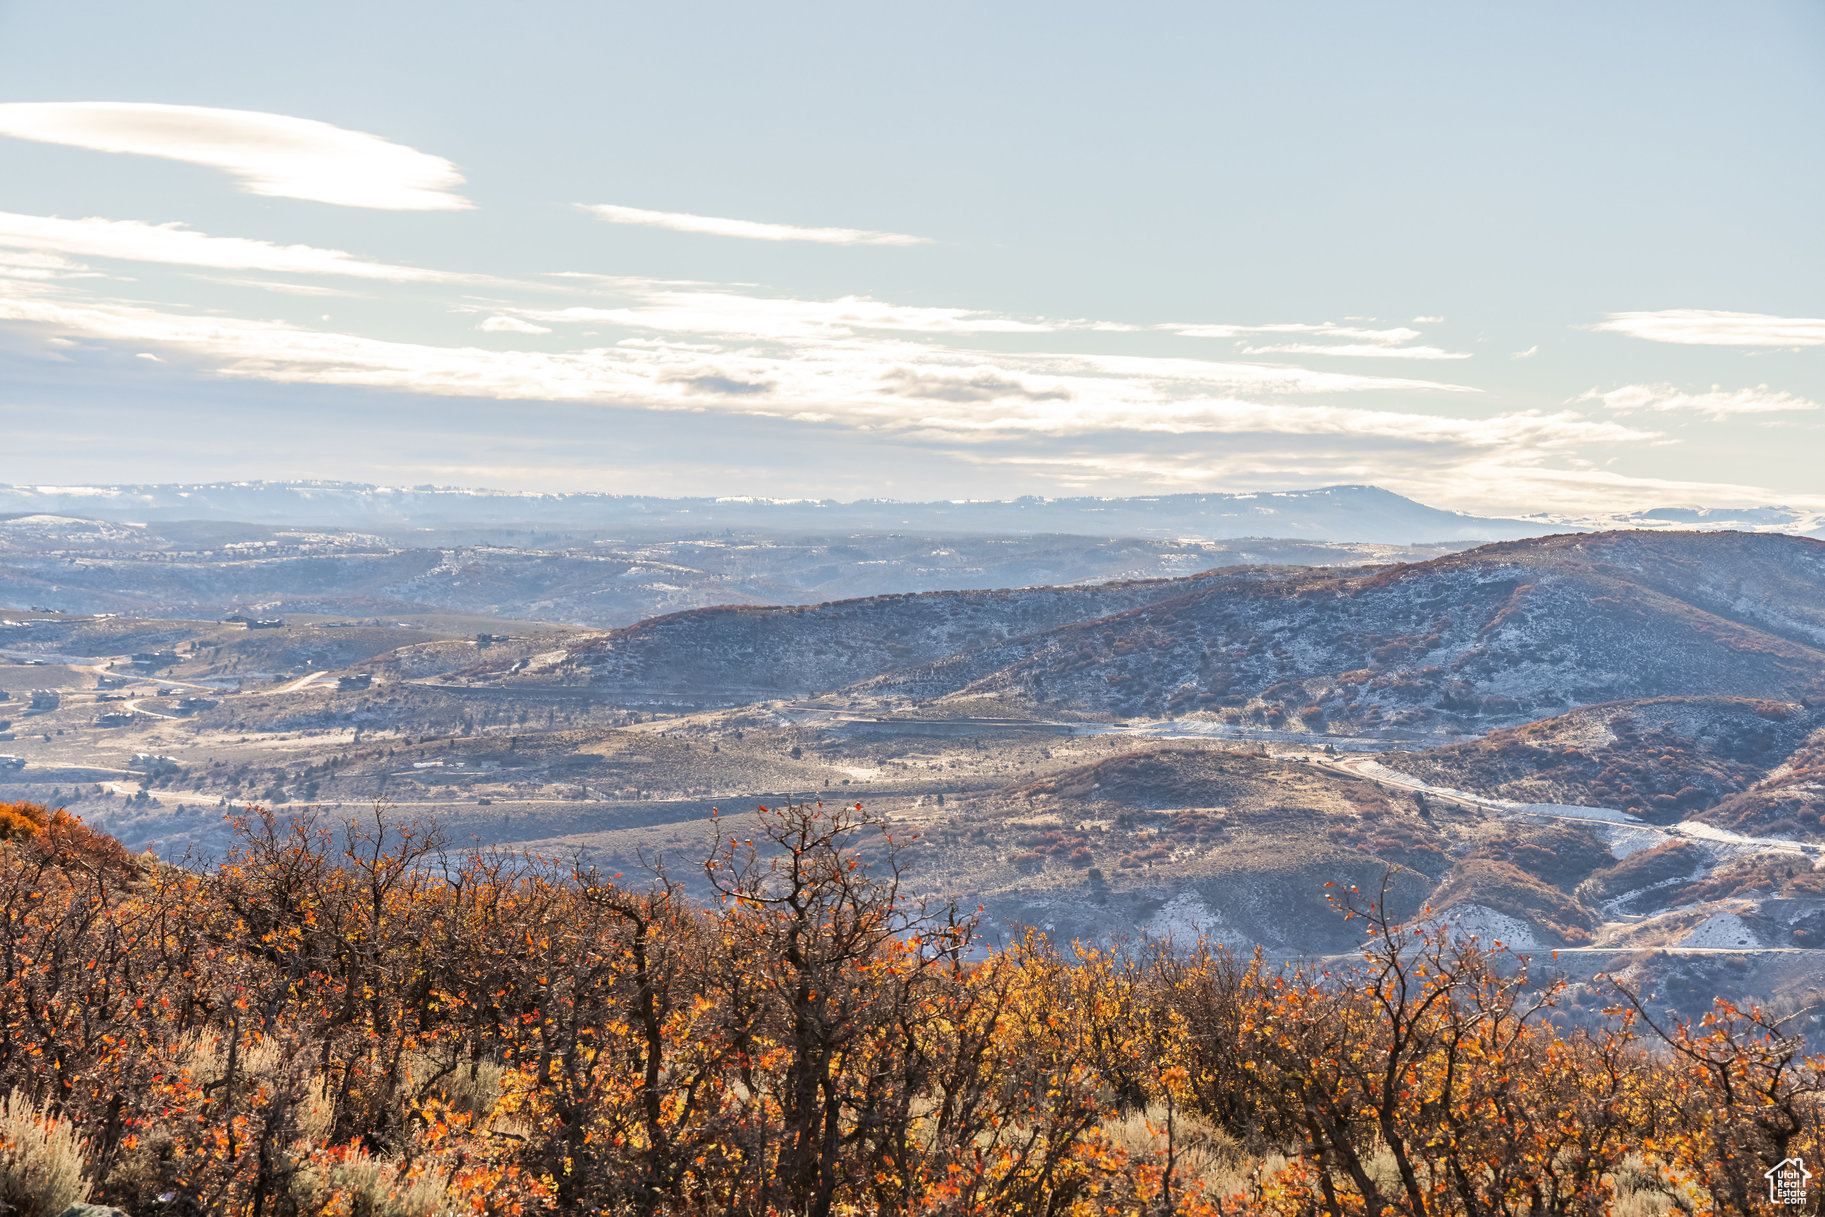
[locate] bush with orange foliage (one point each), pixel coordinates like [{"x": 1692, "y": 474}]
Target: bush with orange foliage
[{"x": 346, "y": 1017}]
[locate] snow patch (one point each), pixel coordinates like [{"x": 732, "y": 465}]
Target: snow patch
[
  {"x": 1723, "y": 836},
  {"x": 1185, "y": 918},
  {"x": 1624, "y": 840},
  {"x": 1725, "y": 930},
  {"x": 1489, "y": 927}
]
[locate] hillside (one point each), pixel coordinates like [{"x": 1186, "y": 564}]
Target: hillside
[
  {"x": 587, "y": 576},
  {"x": 1489, "y": 637},
  {"x": 1662, "y": 758},
  {"x": 741, "y": 653},
  {"x": 1788, "y": 800}
]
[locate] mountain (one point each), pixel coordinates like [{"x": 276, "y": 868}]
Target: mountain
[
  {"x": 1489, "y": 637},
  {"x": 1332, "y": 513},
  {"x": 733, "y": 654},
  {"x": 210, "y": 568},
  {"x": 1486, "y": 638}
]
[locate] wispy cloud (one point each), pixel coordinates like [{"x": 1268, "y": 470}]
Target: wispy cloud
[
  {"x": 36, "y": 264},
  {"x": 176, "y": 245},
  {"x": 1428, "y": 321},
  {"x": 736, "y": 315},
  {"x": 273, "y": 155},
  {"x": 927, "y": 388},
  {"x": 1355, "y": 350},
  {"x": 1352, "y": 341},
  {"x": 279, "y": 285},
  {"x": 750, "y": 230},
  {"x": 1719, "y": 403},
  {"x": 1529, "y": 353},
  {"x": 499, "y": 324},
  {"x": 1708, "y": 327}
]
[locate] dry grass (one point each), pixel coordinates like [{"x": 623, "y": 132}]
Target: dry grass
[{"x": 41, "y": 1161}]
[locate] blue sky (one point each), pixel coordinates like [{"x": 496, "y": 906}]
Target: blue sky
[{"x": 1554, "y": 257}]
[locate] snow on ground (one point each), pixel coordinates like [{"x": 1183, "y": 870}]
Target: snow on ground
[
  {"x": 1742, "y": 845},
  {"x": 1574, "y": 811},
  {"x": 1626, "y": 839},
  {"x": 1721, "y": 930},
  {"x": 1185, "y": 918},
  {"x": 1489, "y": 927}
]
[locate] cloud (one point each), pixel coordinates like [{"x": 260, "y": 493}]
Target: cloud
[
  {"x": 1706, "y": 327},
  {"x": 984, "y": 384},
  {"x": 279, "y": 285},
  {"x": 1529, "y": 353},
  {"x": 725, "y": 386},
  {"x": 176, "y": 245},
  {"x": 751, "y": 230},
  {"x": 781, "y": 318},
  {"x": 931, "y": 393},
  {"x": 1357, "y": 350},
  {"x": 1328, "y": 329},
  {"x": 31, "y": 264},
  {"x": 1718, "y": 404},
  {"x": 1355, "y": 341},
  {"x": 272, "y": 155},
  {"x": 1428, "y": 321},
  {"x": 915, "y": 377},
  {"x": 499, "y": 324}
]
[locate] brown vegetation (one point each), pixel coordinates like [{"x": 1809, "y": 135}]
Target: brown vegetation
[{"x": 348, "y": 1018}]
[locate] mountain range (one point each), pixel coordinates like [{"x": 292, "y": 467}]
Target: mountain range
[{"x": 1489, "y": 637}]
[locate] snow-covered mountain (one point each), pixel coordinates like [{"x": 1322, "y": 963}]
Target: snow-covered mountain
[{"x": 1331, "y": 513}]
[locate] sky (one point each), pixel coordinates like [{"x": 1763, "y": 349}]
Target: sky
[{"x": 1561, "y": 258}]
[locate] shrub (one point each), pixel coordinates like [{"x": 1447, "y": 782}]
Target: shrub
[{"x": 41, "y": 1161}]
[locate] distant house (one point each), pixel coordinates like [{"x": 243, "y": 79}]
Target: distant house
[
  {"x": 152, "y": 762},
  {"x": 154, "y": 659},
  {"x": 190, "y": 705},
  {"x": 110, "y": 682},
  {"x": 114, "y": 718},
  {"x": 46, "y": 699},
  {"x": 253, "y": 623},
  {"x": 359, "y": 681},
  {"x": 8, "y": 763}
]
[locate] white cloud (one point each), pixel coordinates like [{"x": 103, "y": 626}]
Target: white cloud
[
  {"x": 1327, "y": 329},
  {"x": 781, "y": 318},
  {"x": 278, "y": 285},
  {"x": 922, "y": 391},
  {"x": 499, "y": 324},
  {"x": 1719, "y": 403},
  {"x": 1356, "y": 350},
  {"x": 273, "y": 155},
  {"x": 1428, "y": 321},
  {"x": 1707, "y": 327},
  {"x": 1529, "y": 353},
  {"x": 176, "y": 245},
  {"x": 915, "y": 374},
  {"x": 148, "y": 355},
  {"x": 752, "y": 230},
  {"x": 1354, "y": 341},
  {"x": 32, "y": 264}
]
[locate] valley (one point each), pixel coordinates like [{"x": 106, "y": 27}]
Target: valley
[{"x": 1604, "y": 745}]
